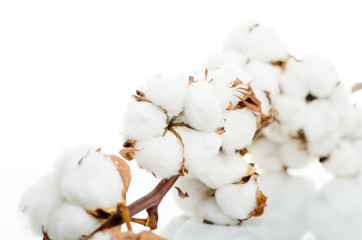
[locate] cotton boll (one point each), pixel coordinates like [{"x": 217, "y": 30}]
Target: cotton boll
[
  {"x": 293, "y": 154},
  {"x": 276, "y": 132},
  {"x": 215, "y": 61},
  {"x": 319, "y": 118},
  {"x": 322, "y": 75},
  {"x": 70, "y": 222},
  {"x": 292, "y": 80},
  {"x": 210, "y": 211},
  {"x": 168, "y": 92},
  {"x": 324, "y": 145},
  {"x": 357, "y": 128},
  {"x": 235, "y": 39},
  {"x": 291, "y": 112},
  {"x": 237, "y": 200},
  {"x": 240, "y": 126},
  {"x": 222, "y": 80},
  {"x": 202, "y": 110},
  {"x": 199, "y": 148},
  {"x": 344, "y": 160},
  {"x": 224, "y": 169},
  {"x": 265, "y": 154},
  {"x": 93, "y": 183},
  {"x": 197, "y": 193},
  {"x": 161, "y": 155},
  {"x": 263, "y": 76},
  {"x": 142, "y": 121},
  {"x": 40, "y": 200},
  {"x": 264, "y": 44}
]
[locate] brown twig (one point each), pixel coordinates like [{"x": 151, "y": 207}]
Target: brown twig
[{"x": 149, "y": 201}]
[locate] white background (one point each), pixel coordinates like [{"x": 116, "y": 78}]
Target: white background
[{"x": 67, "y": 68}]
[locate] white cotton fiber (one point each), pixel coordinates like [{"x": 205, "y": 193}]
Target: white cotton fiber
[
  {"x": 264, "y": 44},
  {"x": 344, "y": 160},
  {"x": 224, "y": 169},
  {"x": 160, "y": 155},
  {"x": 197, "y": 193},
  {"x": 200, "y": 147},
  {"x": 320, "y": 117},
  {"x": 168, "y": 92},
  {"x": 276, "y": 132},
  {"x": 265, "y": 154},
  {"x": 222, "y": 80},
  {"x": 293, "y": 81},
  {"x": 202, "y": 110},
  {"x": 291, "y": 112},
  {"x": 264, "y": 77},
  {"x": 235, "y": 39},
  {"x": 237, "y": 200},
  {"x": 215, "y": 61},
  {"x": 70, "y": 222},
  {"x": 210, "y": 210},
  {"x": 293, "y": 154},
  {"x": 324, "y": 145},
  {"x": 40, "y": 200},
  {"x": 143, "y": 120},
  {"x": 94, "y": 183},
  {"x": 322, "y": 75},
  {"x": 240, "y": 126}
]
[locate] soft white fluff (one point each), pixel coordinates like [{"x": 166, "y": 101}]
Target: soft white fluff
[
  {"x": 240, "y": 126},
  {"x": 216, "y": 60},
  {"x": 94, "y": 183},
  {"x": 266, "y": 155},
  {"x": 322, "y": 75},
  {"x": 102, "y": 236},
  {"x": 160, "y": 155},
  {"x": 200, "y": 147},
  {"x": 143, "y": 120},
  {"x": 197, "y": 192},
  {"x": 276, "y": 132},
  {"x": 293, "y": 81},
  {"x": 237, "y": 200},
  {"x": 235, "y": 39},
  {"x": 224, "y": 169},
  {"x": 210, "y": 210},
  {"x": 222, "y": 79},
  {"x": 40, "y": 200},
  {"x": 202, "y": 109},
  {"x": 264, "y": 44},
  {"x": 70, "y": 222},
  {"x": 324, "y": 145},
  {"x": 293, "y": 154},
  {"x": 320, "y": 118},
  {"x": 168, "y": 92},
  {"x": 264, "y": 77},
  {"x": 344, "y": 160},
  {"x": 266, "y": 104},
  {"x": 291, "y": 112}
]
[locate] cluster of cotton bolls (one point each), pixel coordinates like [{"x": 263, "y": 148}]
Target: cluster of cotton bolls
[
  {"x": 199, "y": 127},
  {"x": 58, "y": 204},
  {"x": 314, "y": 117}
]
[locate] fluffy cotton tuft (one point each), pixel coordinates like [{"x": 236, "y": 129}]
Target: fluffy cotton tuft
[
  {"x": 70, "y": 222},
  {"x": 161, "y": 155},
  {"x": 210, "y": 211},
  {"x": 230, "y": 197},
  {"x": 93, "y": 183},
  {"x": 142, "y": 121},
  {"x": 168, "y": 92},
  {"x": 215, "y": 61},
  {"x": 202, "y": 110},
  {"x": 38, "y": 209},
  {"x": 240, "y": 126},
  {"x": 293, "y": 154}
]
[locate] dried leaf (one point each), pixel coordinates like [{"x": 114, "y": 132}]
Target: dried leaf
[
  {"x": 237, "y": 82},
  {"x": 181, "y": 194},
  {"x": 280, "y": 63},
  {"x": 260, "y": 204},
  {"x": 125, "y": 172},
  {"x": 220, "y": 130}
]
